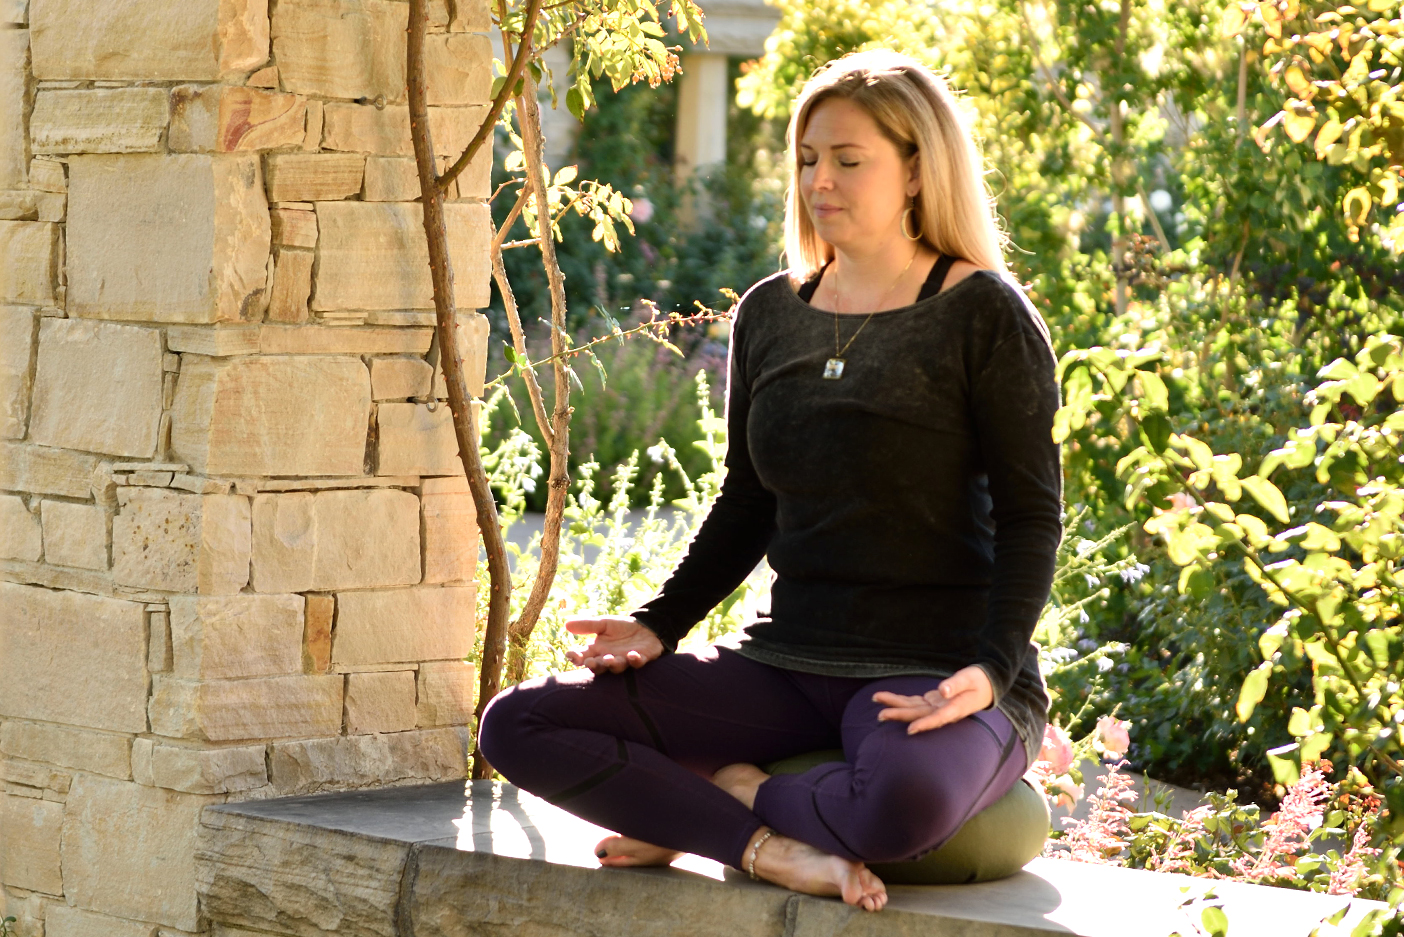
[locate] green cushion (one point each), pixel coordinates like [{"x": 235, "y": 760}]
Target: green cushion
[{"x": 995, "y": 843}]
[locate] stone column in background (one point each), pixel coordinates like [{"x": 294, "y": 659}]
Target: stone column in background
[{"x": 237, "y": 554}]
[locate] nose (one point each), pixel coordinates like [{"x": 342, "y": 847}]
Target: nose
[{"x": 820, "y": 178}]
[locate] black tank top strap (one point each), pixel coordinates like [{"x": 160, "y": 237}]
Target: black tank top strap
[
  {"x": 809, "y": 287},
  {"x": 936, "y": 278}
]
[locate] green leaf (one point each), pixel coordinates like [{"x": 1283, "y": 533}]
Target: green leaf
[
  {"x": 1254, "y": 689},
  {"x": 1200, "y": 454},
  {"x": 1283, "y": 761},
  {"x": 1155, "y": 428},
  {"x": 566, "y": 175},
  {"x": 575, "y": 103},
  {"x": 1215, "y": 921},
  {"x": 1267, "y": 495},
  {"x": 1338, "y": 370},
  {"x": 1153, "y": 391}
]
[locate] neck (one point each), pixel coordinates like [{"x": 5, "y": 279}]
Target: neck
[{"x": 868, "y": 267}]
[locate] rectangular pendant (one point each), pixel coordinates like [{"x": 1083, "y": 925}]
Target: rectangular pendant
[{"x": 833, "y": 369}]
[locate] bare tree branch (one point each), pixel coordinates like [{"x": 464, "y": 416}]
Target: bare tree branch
[
  {"x": 558, "y": 479},
  {"x": 441, "y": 275}
]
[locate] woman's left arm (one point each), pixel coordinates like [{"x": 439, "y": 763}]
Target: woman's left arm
[{"x": 1014, "y": 397}]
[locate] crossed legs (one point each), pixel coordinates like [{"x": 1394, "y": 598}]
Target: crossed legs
[{"x": 636, "y": 753}]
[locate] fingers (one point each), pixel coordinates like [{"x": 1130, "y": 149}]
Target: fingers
[
  {"x": 953, "y": 711},
  {"x": 587, "y": 625},
  {"x": 896, "y": 699}
]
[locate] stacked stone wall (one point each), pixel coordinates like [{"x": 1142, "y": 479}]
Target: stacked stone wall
[{"x": 236, "y": 549}]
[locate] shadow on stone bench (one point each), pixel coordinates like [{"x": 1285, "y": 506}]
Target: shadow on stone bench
[{"x": 434, "y": 861}]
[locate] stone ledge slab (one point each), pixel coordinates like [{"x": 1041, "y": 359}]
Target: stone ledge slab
[{"x": 445, "y": 861}]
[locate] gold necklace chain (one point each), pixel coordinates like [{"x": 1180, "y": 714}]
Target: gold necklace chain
[{"x": 838, "y": 301}]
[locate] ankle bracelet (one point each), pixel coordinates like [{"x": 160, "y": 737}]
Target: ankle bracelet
[{"x": 751, "y": 865}]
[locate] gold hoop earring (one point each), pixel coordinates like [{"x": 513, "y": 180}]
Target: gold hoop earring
[{"x": 907, "y": 213}]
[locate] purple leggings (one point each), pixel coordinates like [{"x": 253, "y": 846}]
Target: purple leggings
[{"x": 633, "y": 753}]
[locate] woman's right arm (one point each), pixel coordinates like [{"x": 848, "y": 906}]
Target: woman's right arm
[{"x": 733, "y": 537}]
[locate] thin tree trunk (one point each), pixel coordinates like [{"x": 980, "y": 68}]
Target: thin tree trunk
[
  {"x": 558, "y": 481},
  {"x": 1121, "y": 171},
  {"x": 441, "y": 274}
]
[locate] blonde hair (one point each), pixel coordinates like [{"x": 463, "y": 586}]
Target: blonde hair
[{"x": 914, "y": 109}]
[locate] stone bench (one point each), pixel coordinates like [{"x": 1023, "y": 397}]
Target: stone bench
[{"x": 434, "y": 861}]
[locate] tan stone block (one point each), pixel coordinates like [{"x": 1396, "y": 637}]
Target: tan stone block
[
  {"x": 317, "y": 633},
  {"x": 179, "y": 542},
  {"x": 97, "y": 752},
  {"x": 98, "y": 387},
  {"x": 141, "y": 761},
  {"x": 459, "y": 68},
  {"x": 14, "y": 99},
  {"x": 472, "y": 16},
  {"x": 294, "y": 228},
  {"x": 312, "y": 142},
  {"x": 373, "y": 255},
  {"x": 403, "y": 625},
  {"x": 21, "y": 537},
  {"x": 303, "y": 767},
  {"x": 476, "y": 179},
  {"x": 445, "y": 693},
  {"x": 45, "y": 471},
  {"x": 129, "y": 850},
  {"x": 236, "y": 636},
  {"x": 158, "y": 642},
  {"x": 342, "y": 48},
  {"x": 284, "y": 415},
  {"x": 380, "y": 702},
  {"x": 471, "y": 331},
  {"x": 217, "y": 342},
  {"x": 313, "y": 177},
  {"x": 240, "y": 710},
  {"x": 264, "y": 78},
  {"x": 224, "y": 119},
  {"x": 104, "y": 645},
  {"x": 180, "y": 238},
  {"x": 101, "y": 120},
  {"x": 342, "y": 340},
  {"x": 292, "y": 285},
  {"x": 31, "y": 252},
  {"x": 155, "y": 40},
  {"x": 16, "y": 349},
  {"x": 29, "y": 844},
  {"x": 47, "y": 175},
  {"x": 400, "y": 378},
  {"x": 34, "y": 775},
  {"x": 391, "y": 179},
  {"x": 365, "y": 128},
  {"x": 63, "y": 921},
  {"x": 75, "y": 535},
  {"x": 414, "y": 440},
  {"x": 209, "y": 770},
  {"x": 450, "y": 536},
  {"x": 335, "y": 540}
]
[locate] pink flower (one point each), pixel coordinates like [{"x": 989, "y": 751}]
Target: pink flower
[
  {"x": 1180, "y": 501},
  {"x": 1057, "y": 750},
  {"x": 1104, "y": 835},
  {"x": 1069, "y": 793},
  {"x": 642, "y": 210},
  {"x": 1113, "y": 736}
]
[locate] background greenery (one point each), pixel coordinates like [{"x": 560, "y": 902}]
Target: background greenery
[{"x": 1247, "y": 278}]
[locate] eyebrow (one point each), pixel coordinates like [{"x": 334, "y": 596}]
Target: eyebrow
[{"x": 836, "y": 146}]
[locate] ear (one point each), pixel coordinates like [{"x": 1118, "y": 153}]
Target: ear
[{"x": 913, "y": 175}]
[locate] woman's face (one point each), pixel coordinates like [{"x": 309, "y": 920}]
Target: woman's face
[{"x": 854, "y": 181}]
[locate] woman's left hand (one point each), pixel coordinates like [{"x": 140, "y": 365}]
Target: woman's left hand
[{"x": 964, "y": 692}]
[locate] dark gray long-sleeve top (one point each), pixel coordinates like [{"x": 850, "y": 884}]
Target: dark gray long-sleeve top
[{"x": 911, "y": 510}]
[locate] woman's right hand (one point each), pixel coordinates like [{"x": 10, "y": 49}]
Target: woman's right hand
[{"x": 618, "y": 643}]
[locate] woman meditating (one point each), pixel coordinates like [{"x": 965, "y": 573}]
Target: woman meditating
[{"x": 889, "y": 411}]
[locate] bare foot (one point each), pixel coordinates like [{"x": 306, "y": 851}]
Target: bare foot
[
  {"x": 621, "y": 852},
  {"x": 800, "y": 867},
  {"x": 741, "y": 781}
]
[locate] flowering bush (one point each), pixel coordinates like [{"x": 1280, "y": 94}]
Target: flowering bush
[{"x": 1321, "y": 838}]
